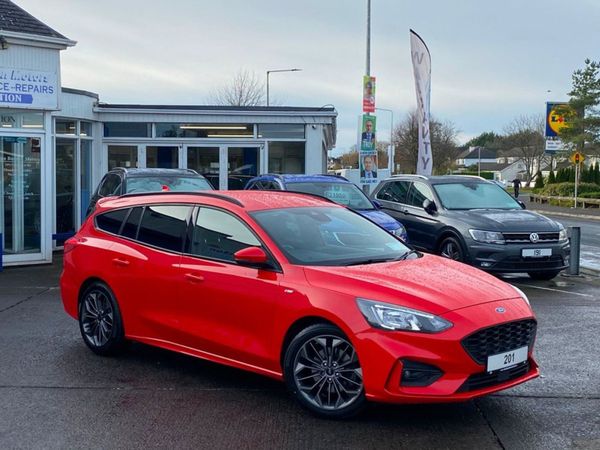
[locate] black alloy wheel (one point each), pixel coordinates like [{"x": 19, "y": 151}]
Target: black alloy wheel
[
  {"x": 100, "y": 320},
  {"x": 452, "y": 249},
  {"x": 543, "y": 275},
  {"x": 322, "y": 371}
]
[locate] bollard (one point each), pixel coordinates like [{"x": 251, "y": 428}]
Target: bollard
[{"x": 575, "y": 244}]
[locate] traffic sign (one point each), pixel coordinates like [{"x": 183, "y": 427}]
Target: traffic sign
[{"x": 577, "y": 158}]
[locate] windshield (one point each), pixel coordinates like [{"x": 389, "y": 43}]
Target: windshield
[
  {"x": 174, "y": 183},
  {"x": 474, "y": 195},
  {"x": 328, "y": 236},
  {"x": 346, "y": 194}
]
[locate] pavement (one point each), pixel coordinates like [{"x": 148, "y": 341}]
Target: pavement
[{"x": 57, "y": 394}]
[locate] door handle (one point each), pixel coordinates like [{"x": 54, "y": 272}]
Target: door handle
[
  {"x": 120, "y": 262},
  {"x": 194, "y": 278}
]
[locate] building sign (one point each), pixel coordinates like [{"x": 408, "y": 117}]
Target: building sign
[
  {"x": 555, "y": 121},
  {"x": 368, "y": 94},
  {"x": 28, "y": 89}
]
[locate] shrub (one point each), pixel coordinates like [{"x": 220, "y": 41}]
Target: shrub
[
  {"x": 551, "y": 178},
  {"x": 539, "y": 180},
  {"x": 568, "y": 189},
  {"x": 590, "y": 195}
]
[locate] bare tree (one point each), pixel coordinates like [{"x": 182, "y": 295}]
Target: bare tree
[
  {"x": 524, "y": 138},
  {"x": 443, "y": 143},
  {"x": 244, "y": 89}
]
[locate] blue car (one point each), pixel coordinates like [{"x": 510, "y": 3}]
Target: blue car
[{"x": 335, "y": 188}]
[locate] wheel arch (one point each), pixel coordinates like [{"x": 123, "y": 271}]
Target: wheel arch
[
  {"x": 451, "y": 232},
  {"x": 299, "y": 325}
]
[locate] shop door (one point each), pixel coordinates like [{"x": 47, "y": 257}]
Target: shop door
[
  {"x": 243, "y": 163},
  {"x": 162, "y": 157},
  {"x": 20, "y": 195},
  {"x": 205, "y": 161}
]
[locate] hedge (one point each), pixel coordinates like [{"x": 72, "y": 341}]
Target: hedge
[
  {"x": 568, "y": 189},
  {"x": 590, "y": 195}
]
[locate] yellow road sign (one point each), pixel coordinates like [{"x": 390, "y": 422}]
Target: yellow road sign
[{"x": 577, "y": 158}]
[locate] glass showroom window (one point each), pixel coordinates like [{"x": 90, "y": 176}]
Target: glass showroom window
[
  {"x": 20, "y": 184},
  {"x": 287, "y": 157},
  {"x": 73, "y": 180},
  {"x": 122, "y": 156}
]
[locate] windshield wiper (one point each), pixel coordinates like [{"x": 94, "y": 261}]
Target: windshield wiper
[
  {"x": 406, "y": 255},
  {"x": 368, "y": 261}
]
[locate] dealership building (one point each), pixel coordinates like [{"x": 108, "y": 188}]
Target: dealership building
[{"x": 56, "y": 143}]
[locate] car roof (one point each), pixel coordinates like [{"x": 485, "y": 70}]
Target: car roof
[
  {"x": 247, "y": 200},
  {"x": 150, "y": 172},
  {"x": 301, "y": 178},
  {"x": 439, "y": 179}
]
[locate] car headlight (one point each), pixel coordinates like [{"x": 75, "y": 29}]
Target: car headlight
[
  {"x": 562, "y": 234},
  {"x": 489, "y": 237},
  {"x": 392, "y": 317},
  {"x": 521, "y": 294}
]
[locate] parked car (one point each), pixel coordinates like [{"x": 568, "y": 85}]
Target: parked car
[
  {"x": 120, "y": 181},
  {"x": 472, "y": 220},
  {"x": 333, "y": 187},
  {"x": 250, "y": 279}
]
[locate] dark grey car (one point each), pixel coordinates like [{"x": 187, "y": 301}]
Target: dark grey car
[{"x": 474, "y": 221}]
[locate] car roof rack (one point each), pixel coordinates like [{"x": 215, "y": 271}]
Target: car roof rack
[
  {"x": 424, "y": 177},
  {"x": 226, "y": 198}
]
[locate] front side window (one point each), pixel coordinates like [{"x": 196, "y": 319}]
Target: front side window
[
  {"x": 111, "y": 221},
  {"x": 328, "y": 236},
  {"x": 474, "y": 195},
  {"x": 394, "y": 191},
  {"x": 346, "y": 194},
  {"x": 418, "y": 194},
  {"x": 218, "y": 235},
  {"x": 164, "y": 226}
]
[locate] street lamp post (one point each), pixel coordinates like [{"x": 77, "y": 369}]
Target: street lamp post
[
  {"x": 392, "y": 147},
  {"x": 277, "y": 70}
]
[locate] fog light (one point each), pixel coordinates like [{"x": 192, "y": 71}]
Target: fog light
[
  {"x": 418, "y": 374},
  {"x": 486, "y": 264}
]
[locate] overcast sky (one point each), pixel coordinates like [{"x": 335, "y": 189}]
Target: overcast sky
[{"x": 491, "y": 61}]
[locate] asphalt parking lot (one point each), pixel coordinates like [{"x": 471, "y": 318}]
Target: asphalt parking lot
[{"x": 56, "y": 394}]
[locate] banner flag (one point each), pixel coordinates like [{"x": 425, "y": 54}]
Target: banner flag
[{"x": 421, "y": 60}]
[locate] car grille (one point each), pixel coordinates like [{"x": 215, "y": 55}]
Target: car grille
[
  {"x": 485, "y": 379},
  {"x": 499, "y": 339},
  {"x": 522, "y": 238}
]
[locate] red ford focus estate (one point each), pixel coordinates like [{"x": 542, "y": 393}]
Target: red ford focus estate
[{"x": 299, "y": 289}]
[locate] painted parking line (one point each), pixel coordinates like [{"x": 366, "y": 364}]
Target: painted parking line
[{"x": 555, "y": 290}]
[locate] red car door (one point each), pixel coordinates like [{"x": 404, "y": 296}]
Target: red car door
[
  {"x": 227, "y": 309},
  {"x": 145, "y": 259}
]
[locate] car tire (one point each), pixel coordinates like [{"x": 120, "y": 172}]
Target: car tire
[
  {"x": 543, "y": 275},
  {"x": 451, "y": 248},
  {"x": 100, "y": 320},
  {"x": 322, "y": 371}
]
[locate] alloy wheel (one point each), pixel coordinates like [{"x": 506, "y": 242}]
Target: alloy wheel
[
  {"x": 327, "y": 372},
  {"x": 97, "y": 318},
  {"x": 451, "y": 250}
]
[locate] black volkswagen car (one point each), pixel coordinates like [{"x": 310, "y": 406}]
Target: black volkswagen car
[
  {"x": 475, "y": 221},
  {"x": 121, "y": 180}
]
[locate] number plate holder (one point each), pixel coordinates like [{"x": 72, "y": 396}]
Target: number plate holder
[
  {"x": 507, "y": 359},
  {"x": 536, "y": 252}
]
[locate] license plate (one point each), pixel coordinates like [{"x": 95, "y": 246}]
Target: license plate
[
  {"x": 536, "y": 252},
  {"x": 508, "y": 359}
]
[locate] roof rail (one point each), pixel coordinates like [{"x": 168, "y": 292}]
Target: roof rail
[
  {"x": 341, "y": 177},
  {"x": 226, "y": 198},
  {"x": 320, "y": 197},
  {"x": 410, "y": 175}
]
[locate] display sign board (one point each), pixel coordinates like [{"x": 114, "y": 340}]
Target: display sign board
[
  {"x": 368, "y": 94},
  {"x": 367, "y": 135},
  {"x": 367, "y": 156},
  {"x": 368, "y": 166},
  {"x": 555, "y": 121},
  {"x": 28, "y": 89}
]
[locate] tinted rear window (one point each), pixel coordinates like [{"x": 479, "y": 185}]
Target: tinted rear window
[
  {"x": 111, "y": 221},
  {"x": 164, "y": 226}
]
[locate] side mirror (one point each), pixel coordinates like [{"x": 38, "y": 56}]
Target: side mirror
[
  {"x": 522, "y": 204},
  {"x": 376, "y": 204},
  {"x": 429, "y": 206},
  {"x": 251, "y": 256}
]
